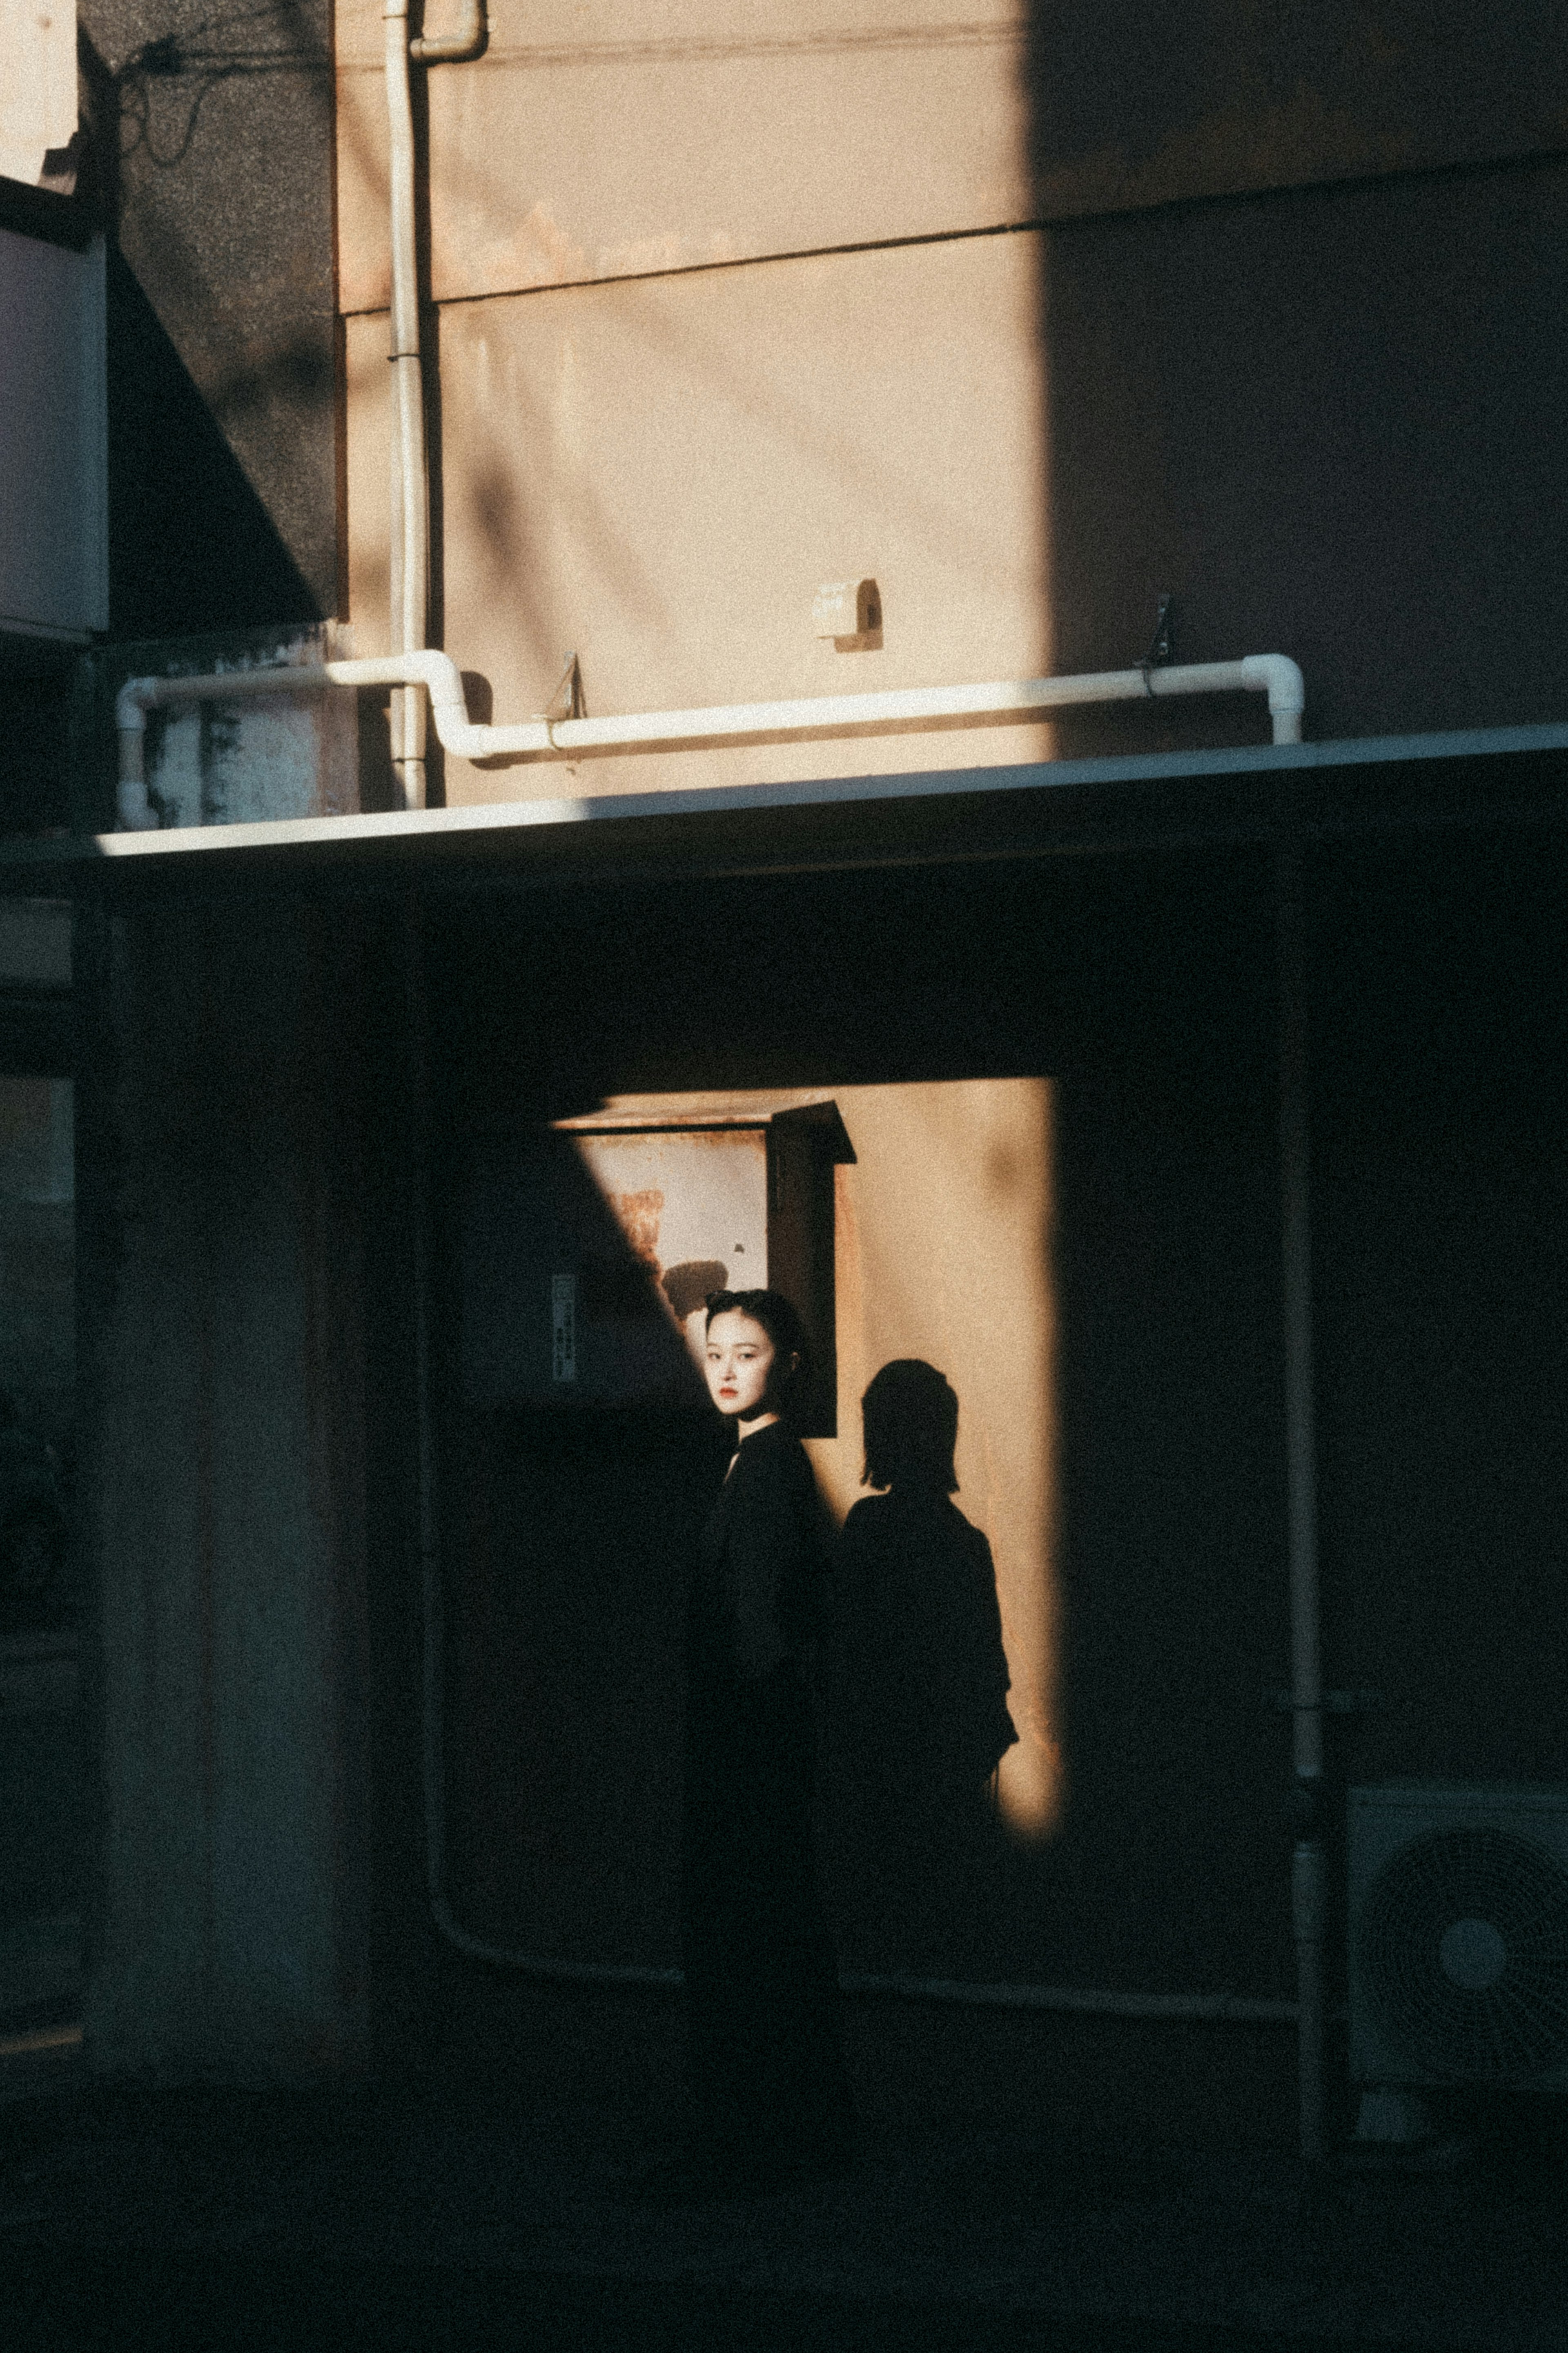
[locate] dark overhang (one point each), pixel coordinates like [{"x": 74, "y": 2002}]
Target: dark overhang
[{"x": 1255, "y": 794}]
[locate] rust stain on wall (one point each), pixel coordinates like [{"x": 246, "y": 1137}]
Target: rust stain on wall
[{"x": 638, "y": 1215}]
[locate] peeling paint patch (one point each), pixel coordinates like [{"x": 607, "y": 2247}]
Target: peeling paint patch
[{"x": 247, "y": 762}]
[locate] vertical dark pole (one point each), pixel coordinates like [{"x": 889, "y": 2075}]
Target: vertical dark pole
[
  {"x": 432, "y": 1696},
  {"x": 1307, "y": 1876}
]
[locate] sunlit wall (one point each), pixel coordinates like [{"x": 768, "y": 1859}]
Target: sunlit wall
[
  {"x": 944, "y": 1253},
  {"x": 722, "y": 314}
]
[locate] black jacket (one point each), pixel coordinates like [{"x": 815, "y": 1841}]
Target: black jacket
[{"x": 759, "y": 1596}]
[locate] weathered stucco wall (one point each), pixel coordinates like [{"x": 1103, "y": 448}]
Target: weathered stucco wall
[
  {"x": 659, "y": 474},
  {"x": 212, "y": 165},
  {"x": 581, "y": 146},
  {"x": 586, "y": 146}
]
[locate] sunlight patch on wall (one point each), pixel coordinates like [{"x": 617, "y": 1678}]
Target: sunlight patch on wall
[
  {"x": 943, "y": 1235},
  {"x": 942, "y": 1228}
]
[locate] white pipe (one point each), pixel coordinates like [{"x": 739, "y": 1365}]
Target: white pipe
[
  {"x": 1308, "y": 1871},
  {"x": 465, "y": 40},
  {"x": 410, "y": 447},
  {"x": 898, "y": 711},
  {"x": 411, "y": 516}
]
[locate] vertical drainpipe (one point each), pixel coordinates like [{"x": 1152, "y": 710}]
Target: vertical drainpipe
[
  {"x": 432, "y": 1703},
  {"x": 410, "y": 503},
  {"x": 1308, "y": 1870},
  {"x": 410, "y": 455}
]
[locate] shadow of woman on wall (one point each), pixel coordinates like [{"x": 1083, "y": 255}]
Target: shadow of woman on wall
[{"x": 920, "y": 1710}]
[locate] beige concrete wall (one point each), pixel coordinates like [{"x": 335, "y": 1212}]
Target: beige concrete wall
[
  {"x": 660, "y": 473},
  {"x": 698, "y": 352},
  {"x": 588, "y": 143}
]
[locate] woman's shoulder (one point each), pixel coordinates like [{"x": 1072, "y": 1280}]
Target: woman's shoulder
[{"x": 771, "y": 1457}]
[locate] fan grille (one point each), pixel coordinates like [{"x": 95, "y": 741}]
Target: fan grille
[{"x": 1462, "y": 1949}]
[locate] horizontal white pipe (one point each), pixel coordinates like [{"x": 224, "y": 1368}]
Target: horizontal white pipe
[{"x": 900, "y": 711}]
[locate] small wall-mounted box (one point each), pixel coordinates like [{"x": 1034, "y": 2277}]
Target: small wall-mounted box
[{"x": 847, "y": 610}]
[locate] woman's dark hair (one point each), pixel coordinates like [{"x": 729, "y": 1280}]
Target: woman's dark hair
[
  {"x": 780, "y": 1321},
  {"x": 911, "y": 1419}
]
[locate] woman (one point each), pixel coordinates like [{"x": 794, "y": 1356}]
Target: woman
[{"x": 765, "y": 2065}]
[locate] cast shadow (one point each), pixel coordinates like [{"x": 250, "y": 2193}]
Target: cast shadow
[
  {"x": 920, "y": 1711},
  {"x": 1271, "y": 383}
]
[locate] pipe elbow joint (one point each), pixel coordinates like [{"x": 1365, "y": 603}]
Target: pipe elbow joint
[
  {"x": 131, "y": 705},
  {"x": 440, "y": 51},
  {"x": 1280, "y": 679},
  {"x": 443, "y": 682},
  {"x": 132, "y": 810},
  {"x": 467, "y": 39}
]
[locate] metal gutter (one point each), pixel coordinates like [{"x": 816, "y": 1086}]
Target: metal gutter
[{"x": 1314, "y": 790}]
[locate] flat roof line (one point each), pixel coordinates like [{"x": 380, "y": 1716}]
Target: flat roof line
[{"x": 489, "y": 823}]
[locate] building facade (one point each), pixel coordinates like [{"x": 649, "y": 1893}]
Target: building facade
[{"x": 1196, "y": 1095}]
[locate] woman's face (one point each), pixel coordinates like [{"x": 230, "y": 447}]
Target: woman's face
[{"x": 740, "y": 1364}]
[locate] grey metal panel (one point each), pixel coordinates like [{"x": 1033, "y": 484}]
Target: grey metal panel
[
  {"x": 54, "y": 565},
  {"x": 1384, "y": 1824}
]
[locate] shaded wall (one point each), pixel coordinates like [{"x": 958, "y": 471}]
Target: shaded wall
[
  {"x": 1441, "y": 1023},
  {"x": 222, "y": 1347},
  {"x": 1085, "y": 1243},
  {"x": 1324, "y": 420},
  {"x": 1130, "y": 110},
  {"x": 1138, "y": 991},
  {"x": 225, "y": 1173}
]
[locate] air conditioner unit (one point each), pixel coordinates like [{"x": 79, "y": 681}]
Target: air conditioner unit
[{"x": 1459, "y": 1935}]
